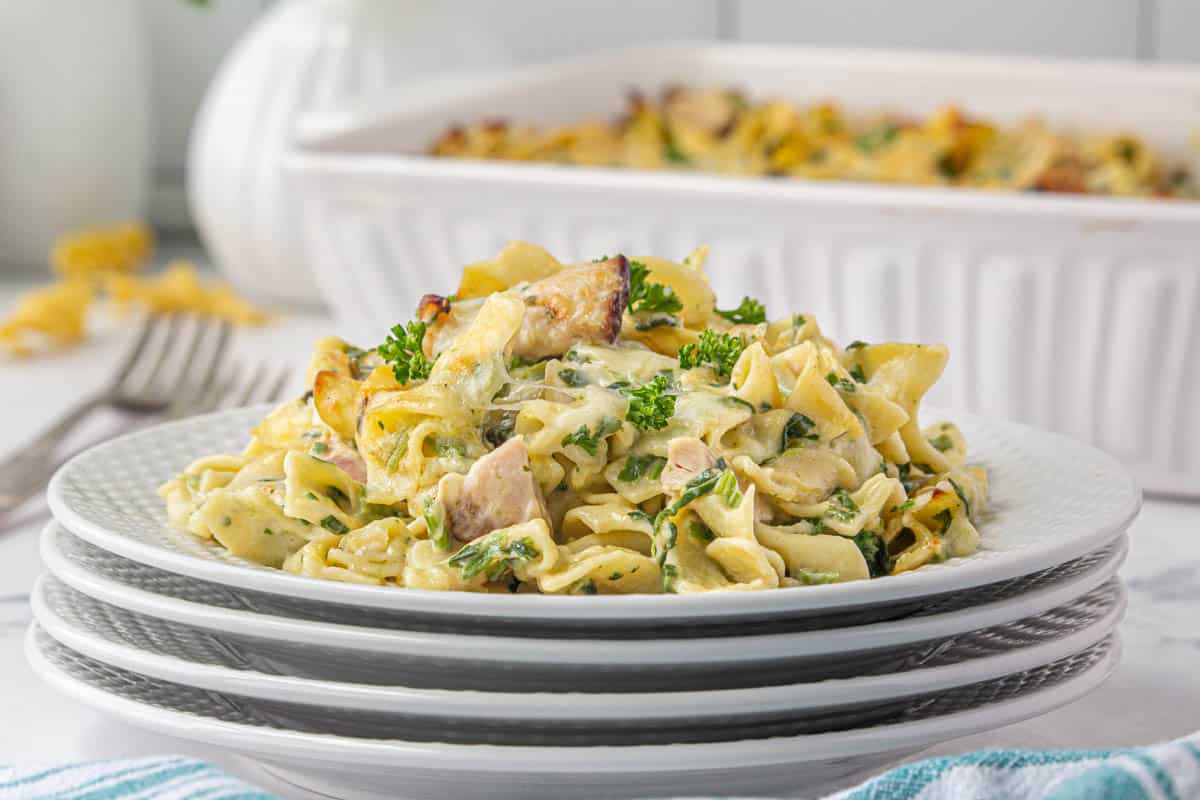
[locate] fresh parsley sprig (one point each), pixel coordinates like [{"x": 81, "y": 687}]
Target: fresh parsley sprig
[
  {"x": 403, "y": 349},
  {"x": 719, "y": 350},
  {"x": 651, "y": 405},
  {"x": 646, "y": 295},
  {"x": 750, "y": 312}
]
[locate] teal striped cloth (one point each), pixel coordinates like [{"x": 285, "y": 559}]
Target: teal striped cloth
[
  {"x": 1168, "y": 771},
  {"x": 1162, "y": 772},
  {"x": 160, "y": 778}
]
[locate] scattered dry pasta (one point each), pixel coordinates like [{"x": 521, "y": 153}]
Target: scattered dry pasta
[
  {"x": 596, "y": 428},
  {"x": 122, "y": 248},
  {"x": 55, "y": 314},
  {"x": 100, "y": 264}
]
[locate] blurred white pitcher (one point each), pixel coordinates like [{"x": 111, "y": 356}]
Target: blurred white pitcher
[{"x": 302, "y": 55}]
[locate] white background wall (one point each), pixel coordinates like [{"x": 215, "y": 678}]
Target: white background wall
[{"x": 187, "y": 42}]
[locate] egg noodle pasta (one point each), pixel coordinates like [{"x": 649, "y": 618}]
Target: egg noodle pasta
[
  {"x": 596, "y": 428},
  {"x": 719, "y": 130}
]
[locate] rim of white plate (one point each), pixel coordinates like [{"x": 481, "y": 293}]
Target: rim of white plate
[
  {"x": 1053, "y": 499},
  {"x": 398, "y": 754},
  {"x": 575, "y": 651},
  {"x": 573, "y": 706}
]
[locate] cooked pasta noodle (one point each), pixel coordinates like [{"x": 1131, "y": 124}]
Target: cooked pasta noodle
[
  {"x": 722, "y": 131},
  {"x": 526, "y": 435}
]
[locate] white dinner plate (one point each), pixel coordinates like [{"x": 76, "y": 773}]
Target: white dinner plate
[
  {"x": 346, "y": 766},
  {"x": 368, "y": 654},
  {"x": 1053, "y": 499},
  {"x": 190, "y": 657}
]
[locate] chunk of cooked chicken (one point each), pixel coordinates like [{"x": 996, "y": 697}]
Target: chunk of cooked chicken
[
  {"x": 581, "y": 304},
  {"x": 342, "y": 455},
  {"x": 687, "y": 457},
  {"x": 498, "y": 491},
  {"x": 712, "y": 110}
]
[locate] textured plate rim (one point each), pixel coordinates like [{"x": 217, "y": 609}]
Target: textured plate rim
[
  {"x": 400, "y": 755},
  {"x": 573, "y": 706},
  {"x": 577, "y": 651},
  {"x": 953, "y": 575}
]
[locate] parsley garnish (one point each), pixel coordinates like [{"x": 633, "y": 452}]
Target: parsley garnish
[
  {"x": 450, "y": 447},
  {"x": 961, "y": 496},
  {"x": 398, "y": 450},
  {"x": 645, "y": 295},
  {"x": 856, "y": 344},
  {"x": 857, "y": 373},
  {"x": 338, "y": 496},
  {"x": 435, "y": 525},
  {"x": 942, "y": 442},
  {"x": 945, "y": 517},
  {"x": 842, "y": 506},
  {"x": 402, "y": 350},
  {"x": 878, "y": 137},
  {"x": 650, "y": 405},
  {"x": 750, "y": 312},
  {"x": 674, "y": 155},
  {"x": 738, "y": 402},
  {"x": 640, "y": 515},
  {"x": 587, "y": 587},
  {"x": 589, "y": 441},
  {"x": 874, "y": 552},
  {"x": 701, "y": 532},
  {"x": 637, "y": 467},
  {"x": 667, "y": 321},
  {"x": 572, "y": 377},
  {"x": 492, "y": 557},
  {"x": 905, "y": 506},
  {"x": 811, "y": 577},
  {"x": 728, "y": 489},
  {"x": 719, "y": 350},
  {"x": 669, "y": 572},
  {"x": 698, "y": 486},
  {"x": 841, "y": 384},
  {"x": 334, "y": 525},
  {"x": 799, "y": 426}
]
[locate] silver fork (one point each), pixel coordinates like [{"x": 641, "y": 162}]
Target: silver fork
[
  {"x": 147, "y": 381},
  {"x": 266, "y": 384}
]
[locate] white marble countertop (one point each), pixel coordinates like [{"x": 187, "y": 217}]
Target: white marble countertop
[{"x": 1154, "y": 694}]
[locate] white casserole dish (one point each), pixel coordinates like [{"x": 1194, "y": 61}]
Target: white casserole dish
[{"x": 1078, "y": 314}]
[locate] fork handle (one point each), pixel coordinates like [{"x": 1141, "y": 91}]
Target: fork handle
[{"x": 27, "y": 470}]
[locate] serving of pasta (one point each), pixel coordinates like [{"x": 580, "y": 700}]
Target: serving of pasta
[
  {"x": 595, "y": 428},
  {"x": 722, "y": 131}
]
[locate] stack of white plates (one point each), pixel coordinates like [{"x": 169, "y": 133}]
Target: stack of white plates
[{"x": 368, "y": 691}]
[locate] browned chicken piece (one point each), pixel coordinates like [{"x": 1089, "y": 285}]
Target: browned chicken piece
[
  {"x": 1066, "y": 175},
  {"x": 581, "y": 304},
  {"x": 687, "y": 457},
  {"x": 712, "y": 110},
  {"x": 498, "y": 491}
]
